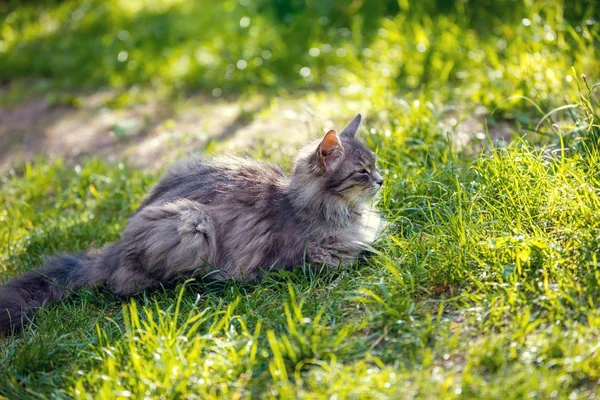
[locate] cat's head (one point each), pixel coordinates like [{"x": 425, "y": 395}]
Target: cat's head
[{"x": 341, "y": 165}]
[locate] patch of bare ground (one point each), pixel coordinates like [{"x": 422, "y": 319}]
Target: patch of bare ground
[{"x": 151, "y": 133}]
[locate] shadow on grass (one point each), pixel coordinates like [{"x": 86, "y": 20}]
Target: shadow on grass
[
  {"x": 237, "y": 46},
  {"x": 97, "y": 45},
  {"x": 209, "y": 44}
]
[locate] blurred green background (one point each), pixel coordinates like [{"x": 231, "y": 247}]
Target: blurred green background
[{"x": 484, "y": 51}]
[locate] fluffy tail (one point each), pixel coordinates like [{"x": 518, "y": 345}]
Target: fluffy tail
[{"x": 21, "y": 297}]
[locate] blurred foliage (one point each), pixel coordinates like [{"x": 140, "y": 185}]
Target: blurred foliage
[{"x": 482, "y": 51}]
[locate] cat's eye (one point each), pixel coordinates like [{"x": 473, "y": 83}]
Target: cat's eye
[{"x": 364, "y": 171}]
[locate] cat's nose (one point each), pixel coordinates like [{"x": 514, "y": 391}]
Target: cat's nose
[{"x": 379, "y": 181}]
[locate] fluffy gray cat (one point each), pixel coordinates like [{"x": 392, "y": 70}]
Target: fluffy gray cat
[{"x": 225, "y": 218}]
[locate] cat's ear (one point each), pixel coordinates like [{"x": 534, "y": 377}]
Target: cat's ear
[
  {"x": 352, "y": 127},
  {"x": 330, "y": 151}
]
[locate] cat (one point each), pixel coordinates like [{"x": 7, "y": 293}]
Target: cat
[{"x": 226, "y": 218}]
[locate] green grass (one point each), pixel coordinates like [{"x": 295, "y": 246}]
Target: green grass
[
  {"x": 485, "y": 53},
  {"x": 487, "y": 283}
]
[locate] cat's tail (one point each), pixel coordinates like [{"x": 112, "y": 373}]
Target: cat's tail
[{"x": 22, "y": 296}]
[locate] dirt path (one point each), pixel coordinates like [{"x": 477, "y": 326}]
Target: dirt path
[
  {"x": 151, "y": 133},
  {"x": 147, "y": 134}
]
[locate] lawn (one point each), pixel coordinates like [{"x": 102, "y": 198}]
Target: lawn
[{"x": 486, "y": 283}]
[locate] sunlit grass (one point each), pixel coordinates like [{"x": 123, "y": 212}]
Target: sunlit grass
[
  {"x": 374, "y": 51},
  {"x": 485, "y": 284}
]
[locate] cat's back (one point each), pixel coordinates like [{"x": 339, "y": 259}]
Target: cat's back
[
  {"x": 206, "y": 180},
  {"x": 239, "y": 169}
]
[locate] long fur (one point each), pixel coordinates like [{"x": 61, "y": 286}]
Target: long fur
[
  {"x": 225, "y": 218},
  {"x": 22, "y": 296}
]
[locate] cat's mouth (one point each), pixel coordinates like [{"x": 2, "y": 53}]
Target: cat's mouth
[{"x": 363, "y": 195}]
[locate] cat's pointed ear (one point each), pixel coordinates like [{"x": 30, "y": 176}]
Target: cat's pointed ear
[
  {"x": 352, "y": 127},
  {"x": 330, "y": 151}
]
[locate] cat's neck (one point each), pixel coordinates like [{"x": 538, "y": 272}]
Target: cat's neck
[{"x": 317, "y": 207}]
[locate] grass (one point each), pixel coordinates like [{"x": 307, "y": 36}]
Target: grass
[
  {"x": 486, "y": 283},
  {"x": 485, "y": 54}
]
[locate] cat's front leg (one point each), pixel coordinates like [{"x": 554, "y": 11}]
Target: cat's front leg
[
  {"x": 333, "y": 252},
  {"x": 319, "y": 255}
]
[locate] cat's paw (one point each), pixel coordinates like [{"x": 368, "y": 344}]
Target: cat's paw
[
  {"x": 205, "y": 230},
  {"x": 320, "y": 256},
  {"x": 195, "y": 223},
  {"x": 197, "y": 244}
]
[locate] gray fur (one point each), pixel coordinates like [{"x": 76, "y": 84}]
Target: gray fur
[
  {"x": 352, "y": 127},
  {"x": 225, "y": 218}
]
